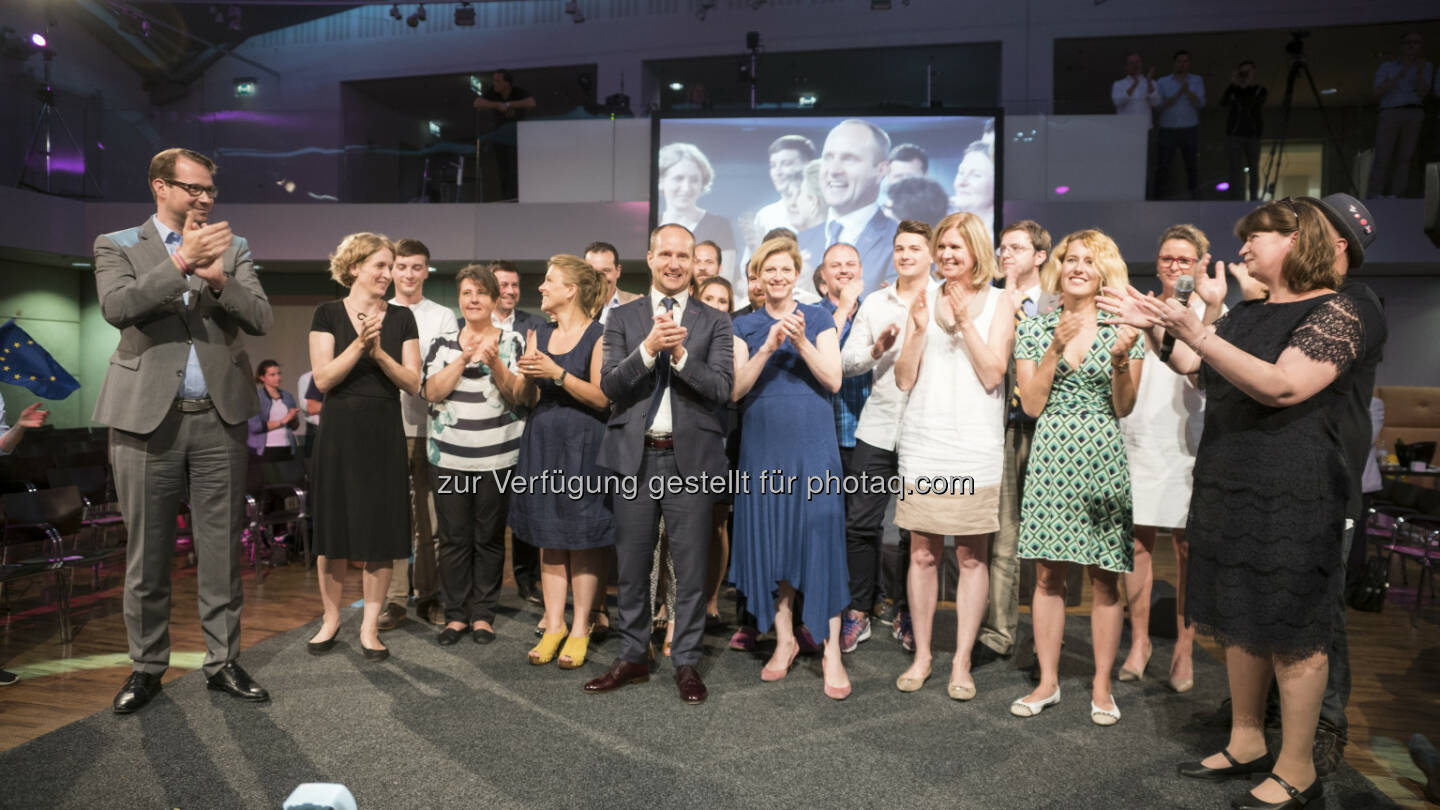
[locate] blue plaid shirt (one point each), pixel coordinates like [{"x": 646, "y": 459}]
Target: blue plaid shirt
[{"x": 853, "y": 390}]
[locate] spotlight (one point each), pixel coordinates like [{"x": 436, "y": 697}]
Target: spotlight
[
  {"x": 464, "y": 14},
  {"x": 676, "y": 86},
  {"x": 245, "y": 86},
  {"x": 572, "y": 8},
  {"x": 416, "y": 17},
  {"x": 395, "y": 12},
  {"x": 38, "y": 40}
]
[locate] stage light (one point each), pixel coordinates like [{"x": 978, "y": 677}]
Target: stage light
[
  {"x": 38, "y": 40},
  {"x": 245, "y": 86},
  {"x": 572, "y": 8},
  {"x": 1329, "y": 91},
  {"x": 808, "y": 100},
  {"x": 1222, "y": 186},
  {"x": 416, "y": 17},
  {"x": 434, "y": 128},
  {"x": 395, "y": 12},
  {"x": 1062, "y": 190},
  {"x": 676, "y": 86},
  {"x": 464, "y": 14}
]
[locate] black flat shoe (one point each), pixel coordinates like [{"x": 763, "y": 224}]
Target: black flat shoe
[
  {"x": 447, "y": 637},
  {"x": 482, "y": 636},
  {"x": 375, "y": 655},
  {"x": 1297, "y": 800},
  {"x": 322, "y": 647},
  {"x": 1195, "y": 770}
]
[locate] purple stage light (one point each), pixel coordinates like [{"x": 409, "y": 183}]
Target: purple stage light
[
  {"x": 1062, "y": 189},
  {"x": 1222, "y": 186},
  {"x": 38, "y": 40}
]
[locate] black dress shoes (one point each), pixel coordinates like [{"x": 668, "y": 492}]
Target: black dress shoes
[
  {"x": 1297, "y": 800},
  {"x": 375, "y": 655},
  {"x": 138, "y": 690},
  {"x": 237, "y": 683},
  {"x": 621, "y": 673},
  {"x": 1195, "y": 770},
  {"x": 692, "y": 689},
  {"x": 448, "y": 636},
  {"x": 482, "y": 636}
]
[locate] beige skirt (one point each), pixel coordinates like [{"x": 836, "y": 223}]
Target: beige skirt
[{"x": 950, "y": 514}]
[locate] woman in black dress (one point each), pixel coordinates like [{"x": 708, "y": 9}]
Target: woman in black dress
[
  {"x": 364, "y": 352},
  {"x": 1267, "y": 515},
  {"x": 564, "y": 509}
]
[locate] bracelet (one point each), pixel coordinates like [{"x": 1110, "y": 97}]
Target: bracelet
[
  {"x": 1120, "y": 366},
  {"x": 1205, "y": 337},
  {"x": 180, "y": 261}
]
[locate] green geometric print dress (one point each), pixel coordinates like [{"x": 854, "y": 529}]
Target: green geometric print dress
[{"x": 1077, "y": 504}]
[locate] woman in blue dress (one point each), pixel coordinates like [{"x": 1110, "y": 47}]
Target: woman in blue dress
[
  {"x": 570, "y": 519},
  {"x": 787, "y": 540}
]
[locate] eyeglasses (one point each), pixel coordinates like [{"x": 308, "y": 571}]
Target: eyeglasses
[
  {"x": 1011, "y": 250},
  {"x": 1182, "y": 262},
  {"x": 192, "y": 189}
]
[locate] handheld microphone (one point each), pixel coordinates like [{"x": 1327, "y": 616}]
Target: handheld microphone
[{"x": 1183, "y": 287}]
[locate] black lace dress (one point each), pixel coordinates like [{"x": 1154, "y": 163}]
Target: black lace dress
[{"x": 1267, "y": 515}]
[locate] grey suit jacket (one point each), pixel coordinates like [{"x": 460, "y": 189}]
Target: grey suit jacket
[
  {"x": 696, "y": 392},
  {"x": 141, "y": 293}
]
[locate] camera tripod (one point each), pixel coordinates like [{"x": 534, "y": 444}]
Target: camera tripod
[
  {"x": 50, "y": 114},
  {"x": 1271, "y": 176}
]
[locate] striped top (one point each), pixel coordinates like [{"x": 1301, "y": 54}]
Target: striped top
[{"x": 473, "y": 428}]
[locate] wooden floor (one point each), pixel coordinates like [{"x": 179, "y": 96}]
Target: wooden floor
[{"x": 1396, "y": 664}]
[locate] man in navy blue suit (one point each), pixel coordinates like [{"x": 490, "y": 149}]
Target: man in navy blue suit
[{"x": 853, "y": 164}]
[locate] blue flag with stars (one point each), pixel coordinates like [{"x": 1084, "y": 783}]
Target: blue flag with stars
[{"x": 24, "y": 362}]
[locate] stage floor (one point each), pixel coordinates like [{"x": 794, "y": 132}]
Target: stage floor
[{"x": 477, "y": 726}]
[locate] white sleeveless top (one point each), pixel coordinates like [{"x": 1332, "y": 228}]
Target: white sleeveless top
[{"x": 951, "y": 425}]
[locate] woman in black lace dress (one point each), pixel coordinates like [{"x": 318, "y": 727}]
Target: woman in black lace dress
[{"x": 1267, "y": 514}]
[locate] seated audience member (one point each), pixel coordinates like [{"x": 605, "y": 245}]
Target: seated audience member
[
  {"x": 272, "y": 431},
  {"x": 472, "y": 384}
]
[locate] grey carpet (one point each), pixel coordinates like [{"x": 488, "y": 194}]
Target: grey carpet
[{"x": 478, "y": 727}]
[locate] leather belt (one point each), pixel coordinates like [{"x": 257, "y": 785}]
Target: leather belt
[
  {"x": 193, "y": 405},
  {"x": 666, "y": 443}
]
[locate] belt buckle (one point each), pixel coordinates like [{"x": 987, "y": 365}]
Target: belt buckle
[{"x": 193, "y": 404}]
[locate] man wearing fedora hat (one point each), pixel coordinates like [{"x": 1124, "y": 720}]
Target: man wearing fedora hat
[{"x": 1356, "y": 229}]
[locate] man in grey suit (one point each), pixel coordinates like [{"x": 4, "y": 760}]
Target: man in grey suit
[
  {"x": 177, "y": 396},
  {"x": 668, "y": 369},
  {"x": 853, "y": 165}
]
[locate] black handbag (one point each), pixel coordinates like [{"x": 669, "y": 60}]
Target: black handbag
[{"x": 1367, "y": 593}]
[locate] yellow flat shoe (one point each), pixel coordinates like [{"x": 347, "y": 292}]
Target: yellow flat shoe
[
  {"x": 544, "y": 652},
  {"x": 572, "y": 656}
]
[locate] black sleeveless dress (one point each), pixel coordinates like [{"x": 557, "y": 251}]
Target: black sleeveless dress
[
  {"x": 1267, "y": 516},
  {"x": 361, "y": 477}
]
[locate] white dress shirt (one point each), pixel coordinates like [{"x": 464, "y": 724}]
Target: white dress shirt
[
  {"x": 431, "y": 321},
  {"x": 1141, "y": 101},
  {"x": 662, "y": 426},
  {"x": 879, "y": 424}
]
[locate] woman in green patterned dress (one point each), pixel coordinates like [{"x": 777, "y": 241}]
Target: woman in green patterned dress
[{"x": 1078, "y": 375}]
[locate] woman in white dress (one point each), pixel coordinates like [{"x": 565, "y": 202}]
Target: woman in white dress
[
  {"x": 951, "y": 445},
  {"x": 1161, "y": 435}
]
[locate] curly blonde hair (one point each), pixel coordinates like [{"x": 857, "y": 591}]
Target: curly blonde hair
[
  {"x": 1113, "y": 272},
  {"x": 977, "y": 241},
  {"x": 352, "y": 251}
]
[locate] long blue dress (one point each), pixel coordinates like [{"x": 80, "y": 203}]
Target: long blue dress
[
  {"x": 562, "y": 439},
  {"x": 789, "y": 431}
]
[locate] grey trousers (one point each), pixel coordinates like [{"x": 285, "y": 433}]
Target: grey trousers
[
  {"x": 424, "y": 576},
  {"x": 1396, "y": 134},
  {"x": 196, "y": 458},
  {"x": 637, "y": 529}
]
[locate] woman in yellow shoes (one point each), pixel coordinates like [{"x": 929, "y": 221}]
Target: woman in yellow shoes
[{"x": 559, "y": 502}]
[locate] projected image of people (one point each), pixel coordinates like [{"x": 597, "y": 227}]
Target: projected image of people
[
  {"x": 828, "y": 179},
  {"x": 685, "y": 176}
]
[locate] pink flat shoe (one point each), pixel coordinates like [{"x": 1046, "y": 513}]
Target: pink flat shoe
[{"x": 769, "y": 675}]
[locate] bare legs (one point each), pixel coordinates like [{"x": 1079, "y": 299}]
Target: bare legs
[
  {"x": 1107, "y": 619},
  {"x": 1137, "y": 594},
  {"x": 1047, "y": 612},
  {"x": 971, "y": 593},
  {"x": 579, "y": 573},
  {"x": 785, "y": 641},
  {"x": 719, "y": 555},
  {"x": 1302, "y": 687},
  {"x": 373, "y": 582}
]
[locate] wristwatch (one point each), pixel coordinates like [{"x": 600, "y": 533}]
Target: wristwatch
[{"x": 560, "y": 381}]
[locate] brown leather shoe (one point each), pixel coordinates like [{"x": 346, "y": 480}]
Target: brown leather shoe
[
  {"x": 391, "y": 617},
  {"x": 692, "y": 689},
  {"x": 622, "y": 673}
]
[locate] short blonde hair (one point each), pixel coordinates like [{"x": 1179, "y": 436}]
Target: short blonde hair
[
  {"x": 354, "y": 250},
  {"x": 589, "y": 283},
  {"x": 770, "y": 248},
  {"x": 977, "y": 241},
  {"x": 1113, "y": 272},
  {"x": 1185, "y": 232},
  {"x": 673, "y": 153}
]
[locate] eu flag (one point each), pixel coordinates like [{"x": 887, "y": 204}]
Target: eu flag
[{"x": 25, "y": 362}]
